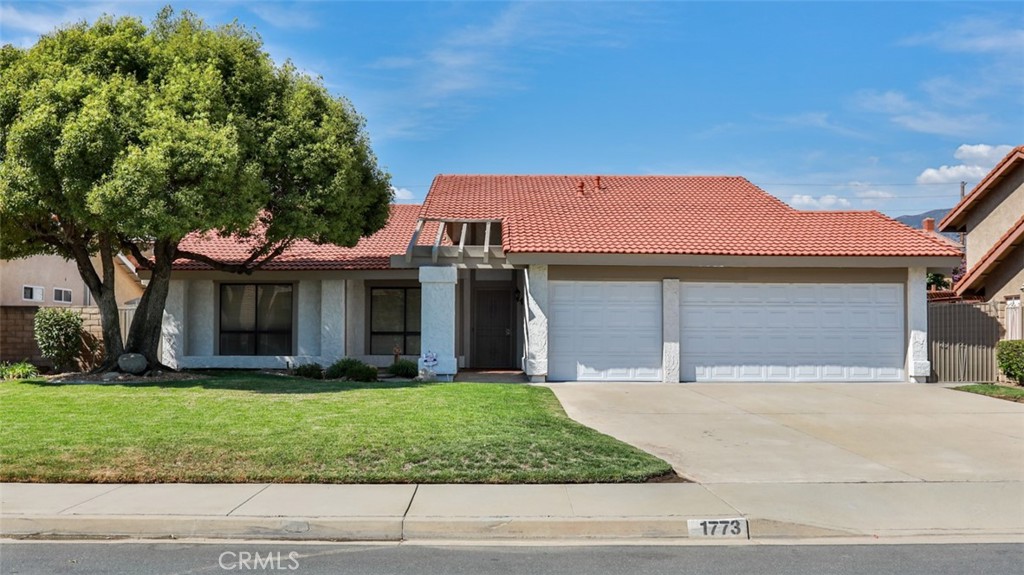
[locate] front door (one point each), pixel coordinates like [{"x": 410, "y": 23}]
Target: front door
[{"x": 493, "y": 345}]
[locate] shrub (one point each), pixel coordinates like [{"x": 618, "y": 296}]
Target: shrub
[
  {"x": 362, "y": 373},
  {"x": 310, "y": 371},
  {"x": 1010, "y": 356},
  {"x": 404, "y": 368},
  {"x": 341, "y": 368},
  {"x": 20, "y": 370},
  {"x": 59, "y": 335}
]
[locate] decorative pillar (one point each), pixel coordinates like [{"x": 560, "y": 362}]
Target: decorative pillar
[
  {"x": 536, "y": 367},
  {"x": 332, "y": 321},
  {"x": 918, "y": 366},
  {"x": 172, "y": 333},
  {"x": 670, "y": 331},
  {"x": 437, "y": 315},
  {"x": 202, "y": 318}
]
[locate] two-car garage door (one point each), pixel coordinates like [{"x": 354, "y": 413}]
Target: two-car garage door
[{"x": 612, "y": 331}]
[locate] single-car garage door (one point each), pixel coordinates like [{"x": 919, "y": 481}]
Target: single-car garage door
[
  {"x": 791, "y": 332},
  {"x": 604, "y": 331}
]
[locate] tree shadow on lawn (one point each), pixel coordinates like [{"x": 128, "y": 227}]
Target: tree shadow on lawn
[{"x": 254, "y": 381}]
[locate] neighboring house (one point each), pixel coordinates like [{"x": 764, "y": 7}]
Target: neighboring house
[
  {"x": 991, "y": 218},
  {"x": 617, "y": 278},
  {"x": 28, "y": 284}
]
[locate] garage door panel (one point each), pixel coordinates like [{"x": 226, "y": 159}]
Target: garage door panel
[
  {"x": 791, "y": 332},
  {"x": 605, "y": 331}
]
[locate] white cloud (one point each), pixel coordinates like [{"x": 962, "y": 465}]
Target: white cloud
[
  {"x": 41, "y": 20},
  {"x": 403, "y": 195},
  {"x": 874, "y": 195},
  {"x": 982, "y": 154},
  {"x": 821, "y": 121},
  {"x": 977, "y": 160},
  {"x": 976, "y": 35},
  {"x": 826, "y": 202},
  {"x": 923, "y": 117},
  {"x": 286, "y": 17}
]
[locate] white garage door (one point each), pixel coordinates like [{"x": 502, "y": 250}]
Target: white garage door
[
  {"x": 604, "y": 331},
  {"x": 791, "y": 332}
]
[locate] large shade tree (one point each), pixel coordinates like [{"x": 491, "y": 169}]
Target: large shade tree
[{"x": 118, "y": 138}]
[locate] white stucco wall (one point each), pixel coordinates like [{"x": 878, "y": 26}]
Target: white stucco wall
[
  {"x": 918, "y": 366},
  {"x": 307, "y": 318},
  {"x": 202, "y": 317},
  {"x": 437, "y": 317},
  {"x": 537, "y": 322},
  {"x": 670, "y": 331}
]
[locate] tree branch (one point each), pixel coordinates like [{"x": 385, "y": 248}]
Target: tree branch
[{"x": 136, "y": 252}]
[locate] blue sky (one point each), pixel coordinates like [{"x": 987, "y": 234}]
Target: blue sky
[{"x": 827, "y": 105}]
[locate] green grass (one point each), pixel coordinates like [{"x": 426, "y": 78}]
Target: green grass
[
  {"x": 1000, "y": 391},
  {"x": 244, "y": 427}
]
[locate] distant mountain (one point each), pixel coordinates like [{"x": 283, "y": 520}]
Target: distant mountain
[{"x": 915, "y": 221}]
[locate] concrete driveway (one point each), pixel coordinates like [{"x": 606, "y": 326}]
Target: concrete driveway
[{"x": 809, "y": 433}]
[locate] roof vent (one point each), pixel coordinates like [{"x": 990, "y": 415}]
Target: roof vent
[
  {"x": 597, "y": 182},
  {"x": 579, "y": 190}
]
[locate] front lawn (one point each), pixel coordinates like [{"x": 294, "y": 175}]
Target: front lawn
[
  {"x": 244, "y": 427},
  {"x": 1000, "y": 391}
]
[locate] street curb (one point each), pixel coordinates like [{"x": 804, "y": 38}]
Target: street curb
[{"x": 178, "y": 526}]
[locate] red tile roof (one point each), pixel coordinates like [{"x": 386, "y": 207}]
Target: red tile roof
[
  {"x": 713, "y": 215},
  {"x": 954, "y": 220},
  {"x": 997, "y": 253},
  {"x": 371, "y": 253}
]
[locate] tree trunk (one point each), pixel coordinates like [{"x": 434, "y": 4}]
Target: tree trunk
[
  {"x": 102, "y": 290},
  {"x": 144, "y": 334}
]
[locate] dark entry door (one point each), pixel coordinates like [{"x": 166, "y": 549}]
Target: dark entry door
[{"x": 493, "y": 345}]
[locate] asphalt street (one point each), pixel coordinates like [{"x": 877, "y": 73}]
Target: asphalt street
[{"x": 114, "y": 558}]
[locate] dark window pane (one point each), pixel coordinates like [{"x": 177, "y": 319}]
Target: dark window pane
[
  {"x": 386, "y": 310},
  {"x": 385, "y": 344},
  {"x": 412, "y": 345},
  {"x": 275, "y": 308},
  {"x": 237, "y": 343},
  {"x": 274, "y": 344},
  {"x": 412, "y": 310},
  {"x": 237, "y": 307}
]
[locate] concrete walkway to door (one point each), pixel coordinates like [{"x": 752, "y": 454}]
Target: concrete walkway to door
[{"x": 809, "y": 433}]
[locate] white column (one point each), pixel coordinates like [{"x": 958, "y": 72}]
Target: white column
[
  {"x": 332, "y": 321},
  {"x": 918, "y": 366},
  {"x": 308, "y": 328},
  {"x": 355, "y": 316},
  {"x": 670, "y": 331},
  {"x": 202, "y": 318},
  {"x": 172, "y": 333},
  {"x": 437, "y": 317},
  {"x": 537, "y": 322}
]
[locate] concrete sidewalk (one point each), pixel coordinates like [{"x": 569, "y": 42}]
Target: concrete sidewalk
[{"x": 873, "y": 511}]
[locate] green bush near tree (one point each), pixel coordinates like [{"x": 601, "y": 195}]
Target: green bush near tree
[
  {"x": 404, "y": 368},
  {"x": 20, "y": 370},
  {"x": 58, "y": 333},
  {"x": 1010, "y": 357},
  {"x": 310, "y": 371}
]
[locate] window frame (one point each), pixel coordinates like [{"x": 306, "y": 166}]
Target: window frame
[
  {"x": 35, "y": 290},
  {"x": 405, "y": 333},
  {"x": 70, "y": 299},
  {"x": 256, "y": 332}
]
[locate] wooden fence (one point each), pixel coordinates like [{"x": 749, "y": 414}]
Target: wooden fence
[{"x": 962, "y": 341}]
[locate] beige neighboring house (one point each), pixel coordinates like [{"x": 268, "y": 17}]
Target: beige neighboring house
[
  {"x": 991, "y": 218},
  {"x": 51, "y": 281}
]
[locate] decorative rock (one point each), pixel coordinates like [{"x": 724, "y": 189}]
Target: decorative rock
[{"x": 133, "y": 363}]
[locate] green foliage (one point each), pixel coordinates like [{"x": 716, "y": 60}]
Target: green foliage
[
  {"x": 20, "y": 370},
  {"x": 341, "y": 368},
  {"x": 58, "y": 333},
  {"x": 1010, "y": 357},
  {"x": 310, "y": 371},
  {"x": 938, "y": 281},
  {"x": 404, "y": 368},
  {"x": 363, "y": 372},
  {"x": 177, "y": 128}
]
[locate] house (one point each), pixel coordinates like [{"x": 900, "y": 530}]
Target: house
[
  {"x": 991, "y": 218},
  {"x": 51, "y": 281},
  {"x": 617, "y": 278}
]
